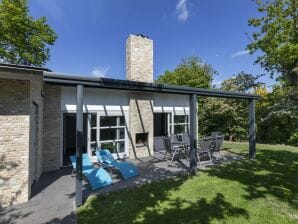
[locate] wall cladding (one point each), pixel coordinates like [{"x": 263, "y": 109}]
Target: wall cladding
[
  {"x": 14, "y": 141},
  {"x": 52, "y": 132}
]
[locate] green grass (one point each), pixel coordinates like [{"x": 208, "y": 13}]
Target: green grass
[{"x": 264, "y": 190}]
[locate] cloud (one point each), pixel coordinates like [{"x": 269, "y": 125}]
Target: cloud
[
  {"x": 181, "y": 10},
  {"x": 239, "y": 53},
  {"x": 99, "y": 71},
  {"x": 216, "y": 82}
]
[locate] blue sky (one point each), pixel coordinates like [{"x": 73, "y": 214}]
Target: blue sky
[{"x": 92, "y": 34}]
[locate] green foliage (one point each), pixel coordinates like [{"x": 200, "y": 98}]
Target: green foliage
[
  {"x": 277, "y": 38},
  {"x": 277, "y": 116},
  {"x": 23, "y": 40},
  {"x": 228, "y": 115},
  {"x": 191, "y": 72}
]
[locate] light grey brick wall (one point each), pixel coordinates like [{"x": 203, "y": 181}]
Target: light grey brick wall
[
  {"x": 52, "y": 132},
  {"x": 140, "y": 121},
  {"x": 139, "y": 67},
  {"x": 36, "y": 89},
  {"x": 14, "y": 141},
  {"x": 139, "y": 59}
]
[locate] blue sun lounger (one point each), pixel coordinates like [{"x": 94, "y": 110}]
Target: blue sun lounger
[
  {"x": 97, "y": 177},
  {"x": 128, "y": 170}
]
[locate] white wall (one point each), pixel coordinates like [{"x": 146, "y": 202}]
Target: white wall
[
  {"x": 116, "y": 102},
  {"x": 113, "y": 100},
  {"x": 94, "y": 100},
  {"x": 171, "y": 103}
]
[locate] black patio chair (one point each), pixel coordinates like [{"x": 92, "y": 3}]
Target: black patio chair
[
  {"x": 218, "y": 145},
  {"x": 172, "y": 149},
  {"x": 204, "y": 148},
  {"x": 158, "y": 144},
  {"x": 215, "y": 133}
]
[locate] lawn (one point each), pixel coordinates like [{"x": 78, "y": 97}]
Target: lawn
[{"x": 264, "y": 190}]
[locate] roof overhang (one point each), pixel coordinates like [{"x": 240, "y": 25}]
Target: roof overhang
[{"x": 106, "y": 83}]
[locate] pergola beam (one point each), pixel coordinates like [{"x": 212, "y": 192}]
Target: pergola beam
[
  {"x": 252, "y": 129},
  {"x": 193, "y": 133},
  {"x": 79, "y": 144}
]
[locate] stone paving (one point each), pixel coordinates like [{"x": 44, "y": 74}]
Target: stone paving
[{"x": 53, "y": 195}]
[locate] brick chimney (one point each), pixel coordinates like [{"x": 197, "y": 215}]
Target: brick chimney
[
  {"x": 139, "y": 67},
  {"x": 139, "y": 58}
]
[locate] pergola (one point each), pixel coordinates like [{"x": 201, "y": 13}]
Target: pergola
[{"x": 80, "y": 82}]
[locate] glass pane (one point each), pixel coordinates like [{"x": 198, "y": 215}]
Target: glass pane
[
  {"x": 109, "y": 146},
  {"x": 120, "y": 146},
  {"x": 93, "y": 147},
  {"x": 107, "y": 134},
  {"x": 93, "y": 135},
  {"x": 180, "y": 119},
  {"x": 93, "y": 120},
  {"x": 108, "y": 121},
  {"x": 179, "y": 129},
  {"x": 122, "y": 121},
  {"x": 121, "y": 133}
]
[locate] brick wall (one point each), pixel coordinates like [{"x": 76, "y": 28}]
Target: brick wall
[
  {"x": 14, "y": 141},
  {"x": 139, "y": 59},
  {"x": 52, "y": 132},
  {"x": 36, "y": 88},
  {"x": 139, "y": 67},
  {"x": 140, "y": 121}
]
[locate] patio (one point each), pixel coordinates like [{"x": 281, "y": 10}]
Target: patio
[{"x": 54, "y": 194}]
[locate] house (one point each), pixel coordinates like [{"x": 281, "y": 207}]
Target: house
[{"x": 38, "y": 116}]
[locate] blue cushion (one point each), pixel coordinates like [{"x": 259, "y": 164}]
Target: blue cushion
[
  {"x": 128, "y": 170},
  {"x": 97, "y": 178}
]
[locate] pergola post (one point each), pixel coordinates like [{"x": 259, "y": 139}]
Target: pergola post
[
  {"x": 79, "y": 144},
  {"x": 193, "y": 133},
  {"x": 252, "y": 129}
]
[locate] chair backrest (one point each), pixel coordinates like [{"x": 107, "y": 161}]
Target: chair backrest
[
  {"x": 218, "y": 142},
  {"x": 105, "y": 156},
  {"x": 159, "y": 144},
  {"x": 215, "y": 133},
  {"x": 86, "y": 162},
  {"x": 206, "y": 144},
  {"x": 167, "y": 144},
  {"x": 185, "y": 139},
  {"x": 174, "y": 139}
]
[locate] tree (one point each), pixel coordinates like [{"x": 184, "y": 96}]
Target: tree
[
  {"x": 23, "y": 40},
  {"x": 277, "y": 38},
  {"x": 229, "y": 115},
  {"x": 191, "y": 72}
]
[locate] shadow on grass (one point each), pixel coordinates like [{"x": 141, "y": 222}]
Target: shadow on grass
[
  {"x": 273, "y": 173},
  {"x": 144, "y": 206},
  {"x": 201, "y": 211}
]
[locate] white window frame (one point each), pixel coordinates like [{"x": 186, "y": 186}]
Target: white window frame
[
  {"x": 98, "y": 142},
  {"x": 172, "y": 124}
]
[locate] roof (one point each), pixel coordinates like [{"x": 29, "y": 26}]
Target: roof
[
  {"x": 26, "y": 67},
  {"x": 117, "y": 84},
  {"x": 106, "y": 83}
]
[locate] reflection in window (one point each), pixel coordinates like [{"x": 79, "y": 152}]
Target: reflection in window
[{"x": 180, "y": 124}]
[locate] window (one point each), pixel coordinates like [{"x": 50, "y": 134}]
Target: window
[
  {"x": 107, "y": 132},
  {"x": 180, "y": 124}
]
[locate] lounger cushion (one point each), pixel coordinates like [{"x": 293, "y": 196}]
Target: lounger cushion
[
  {"x": 97, "y": 178},
  {"x": 128, "y": 170}
]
